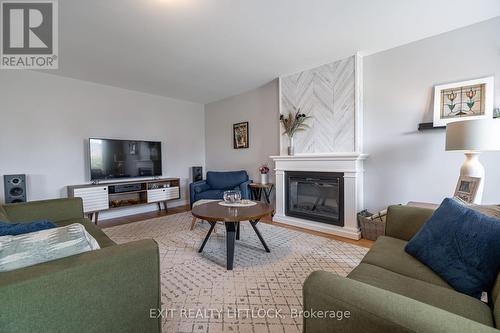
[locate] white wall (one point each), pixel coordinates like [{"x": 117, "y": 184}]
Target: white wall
[
  {"x": 45, "y": 121},
  {"x": 405, "y": 164},
  {"x": 260, "y": 108}
]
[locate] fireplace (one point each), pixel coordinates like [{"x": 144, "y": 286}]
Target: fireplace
[
  {"x": 315, "y": 196},
  {"x": 340, "y": 171}
]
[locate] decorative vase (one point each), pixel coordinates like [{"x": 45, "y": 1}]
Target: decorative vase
[
  {"x": 263, "y": 178},
  {"x": 291, "y": 148}
]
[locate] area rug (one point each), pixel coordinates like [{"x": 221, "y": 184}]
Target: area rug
[{"x": 263, "y": 293}]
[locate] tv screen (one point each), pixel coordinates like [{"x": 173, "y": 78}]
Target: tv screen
[{"x": 111, "y": 159}]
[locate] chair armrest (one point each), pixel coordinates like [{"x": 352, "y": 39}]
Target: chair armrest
[
  {"x": 54, "y": 210},
  {"x": 107, "y": 290},
  {"x": 245, "y": 189},
  {"x": 403, "y": 222},
  {"x": 192, "y": 192},
  {"x": 372, "y": 309}
]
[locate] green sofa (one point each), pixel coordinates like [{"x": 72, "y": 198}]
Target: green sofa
[
  {"x": 107, "y": 290},
  {"x": 390, "y": 291}
]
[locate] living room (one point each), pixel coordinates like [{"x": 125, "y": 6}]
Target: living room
[{"x": 218, "y": 166}]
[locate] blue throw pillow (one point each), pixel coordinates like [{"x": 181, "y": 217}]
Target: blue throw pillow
[
  {"x": 461, "y": 245},
  {"x": 14, "y": 229}
]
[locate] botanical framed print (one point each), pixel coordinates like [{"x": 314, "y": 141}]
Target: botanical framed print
[
  {"x": 464, "y": 100},
  {"x": 467, "y": 188},
  {"x": 240, "y": 135}
]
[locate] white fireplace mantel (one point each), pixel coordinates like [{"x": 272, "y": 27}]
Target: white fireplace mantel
[{"x": 351, "y": 164}]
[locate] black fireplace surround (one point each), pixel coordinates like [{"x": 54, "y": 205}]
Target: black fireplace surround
[{"x": 315, "y": 196}]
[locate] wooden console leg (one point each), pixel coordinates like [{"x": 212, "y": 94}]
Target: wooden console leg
[
  {"x": 159, "y": 206},
  {"x": 165, "y": 206},
  {"x": 96, "y": 217}
]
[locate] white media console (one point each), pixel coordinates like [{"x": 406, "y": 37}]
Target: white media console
[{"x": 106, "y": 196}]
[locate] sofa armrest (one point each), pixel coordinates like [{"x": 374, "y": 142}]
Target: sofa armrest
[
  {"x": 245, "y": 189},
  {"x": 107, "y": 290},
  {"x": 192, "y": 191},
  {"x": 372, "y": 309},
  {"x": 403, "y": 222},
  {"x": 54, "y": 210}
]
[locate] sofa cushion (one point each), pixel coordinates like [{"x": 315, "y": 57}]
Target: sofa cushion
[
  {"x": 201, "y": 188},
  {"x": 3, "y": 215},
  {"x": 24, "y": 228},
  {"x": 490, "y": 210},
  {"x": 226, "y": 180},
  {"x": 210, "y": 194},
  {"x": 389, "y": 253},
  {"x": 43, "y": 246},
  {"x": 462, "y": 245},
  {"x": 403, "y": 222},
  {"x": 443, "y": 298},
  {"x": 92, "y": 229}
]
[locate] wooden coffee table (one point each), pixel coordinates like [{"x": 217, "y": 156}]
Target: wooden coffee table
[{"x": 232, "y": 216}]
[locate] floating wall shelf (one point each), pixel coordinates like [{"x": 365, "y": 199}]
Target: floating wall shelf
[{"x": 429, "y": 126}]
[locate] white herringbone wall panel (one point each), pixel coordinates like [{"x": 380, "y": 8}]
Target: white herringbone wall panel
[{"x": 327, "y": 94}]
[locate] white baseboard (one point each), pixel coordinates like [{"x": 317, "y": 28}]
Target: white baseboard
[{"x": 318, "y": 226}]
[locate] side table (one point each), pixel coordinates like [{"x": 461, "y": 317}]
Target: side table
[{"x": 257, "y": 189}]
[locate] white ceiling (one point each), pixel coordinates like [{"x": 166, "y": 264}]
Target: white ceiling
[{"x": 206, "y": 50}]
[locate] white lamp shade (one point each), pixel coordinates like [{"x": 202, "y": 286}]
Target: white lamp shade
[{"x": 473, "y": 135}]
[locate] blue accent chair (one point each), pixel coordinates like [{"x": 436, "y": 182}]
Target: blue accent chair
[{"x": 218, "y": 182}]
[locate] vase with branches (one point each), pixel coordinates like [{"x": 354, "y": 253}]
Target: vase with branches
[{"x": 292, "y": 123}]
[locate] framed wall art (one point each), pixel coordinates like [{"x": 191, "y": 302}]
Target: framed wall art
[
  {"x": 464, "y": 100},
  {"x": 467, "y": 188},
  {"x": 240, "y": 135}
]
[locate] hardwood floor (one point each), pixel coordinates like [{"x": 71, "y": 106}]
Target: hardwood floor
[
  {"x": 268, "y": 220},
  {"x": 141, "y": 217},
  {"x": 362, "y": 242}
]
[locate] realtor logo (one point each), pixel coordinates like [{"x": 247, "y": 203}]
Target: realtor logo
[{"x": 29, "y": 35}]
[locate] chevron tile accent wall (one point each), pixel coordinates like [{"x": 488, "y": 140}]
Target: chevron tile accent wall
[{"x": 328, "y": 94}]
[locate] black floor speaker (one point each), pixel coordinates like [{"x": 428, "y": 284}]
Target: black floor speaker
[
  {"x": 197, "y": 173},
  {"x": 15, "y": 188}
]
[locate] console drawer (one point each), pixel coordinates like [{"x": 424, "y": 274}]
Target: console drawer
[
  {"x": 94, "y": 198},
  {"x": 163, "y": 194}
]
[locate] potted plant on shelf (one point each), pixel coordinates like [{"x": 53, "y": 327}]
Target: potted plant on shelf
[
  {"x": 264, "y": 173},
  {"x": 293, "y": 123}
]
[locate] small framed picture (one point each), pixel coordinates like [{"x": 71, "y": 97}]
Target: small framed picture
[
  {"x": 467, "y": 188},
  {"x": 132, "y": 148},
  {"x": 240, "y": 135},
  {"x": 466, "y": 100}
]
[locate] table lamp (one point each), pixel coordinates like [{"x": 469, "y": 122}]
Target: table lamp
[{"x": 473, "y": 137}]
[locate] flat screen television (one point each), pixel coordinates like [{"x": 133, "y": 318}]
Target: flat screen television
[{"x": 113, "y": 159}]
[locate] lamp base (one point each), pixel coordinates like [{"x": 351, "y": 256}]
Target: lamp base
[{"x": 473, "y": 168}]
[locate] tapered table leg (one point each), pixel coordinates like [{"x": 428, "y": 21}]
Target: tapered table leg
[
  {"x": 238, "y": 231},
  {"x": 254, "y": 226},
  {"x": 212, "y": 226},
  {"x": 267, "y": 194},
  {"x": 230, "y": 238}
]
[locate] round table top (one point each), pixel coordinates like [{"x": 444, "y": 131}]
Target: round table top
[
  {"x": 213, "y": 212},
  {"x": 260, "y": 185}
]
